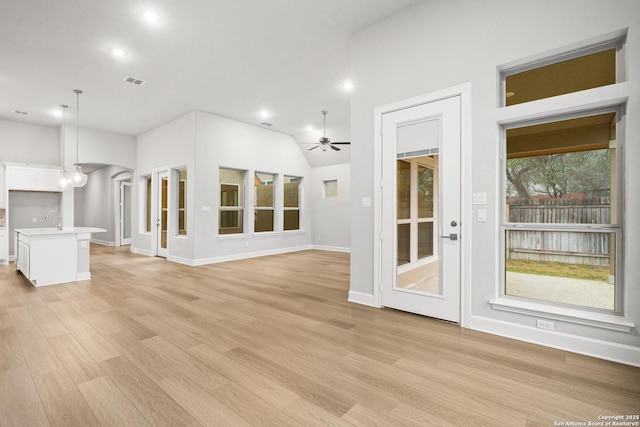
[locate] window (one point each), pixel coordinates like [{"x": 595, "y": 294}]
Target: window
[
  {"x": 330, "y": 188},
  {"x": 264, "y": 202},
  {"x": 232, "y": 189},
  {"x": 146, "y": 185},
  {"x": 291, "y": 210},
  {"x": 562, "y": 227},
  {"x": 594, "y": 66},
  {"x": 562, "y": 181},
  {"x": 182, "y": 202}
]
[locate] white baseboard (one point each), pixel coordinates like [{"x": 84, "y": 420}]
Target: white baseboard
[
  {"x": 362, "y": 298},
  {"x": 140, "y": 251},
  {"x": 244, "y": 255},
  {"x": 103, "y": 242},
  {"x": 620, "y": 353},
  {"x": 331, "y": 248},
  {"x": 83, "y": 276}
]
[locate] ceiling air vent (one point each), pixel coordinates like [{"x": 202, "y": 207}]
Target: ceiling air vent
[
  {"x": 267, "y": 124},
  {"x": 134, "y": 80},
  {"x": 23, "y": 113}
]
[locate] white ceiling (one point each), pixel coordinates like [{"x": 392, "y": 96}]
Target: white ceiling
[{"x": 233, "y": 58}]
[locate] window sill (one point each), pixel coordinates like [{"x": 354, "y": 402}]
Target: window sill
[
  {"x": 259, "y": 234},
  {"x": 292, "y": 232},
  {"x": 232, "y": 236},
  {"x": 563, "y": 314}
]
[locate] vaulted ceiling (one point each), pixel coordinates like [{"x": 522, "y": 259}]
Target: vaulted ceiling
[{"x": 287, "y": 59}]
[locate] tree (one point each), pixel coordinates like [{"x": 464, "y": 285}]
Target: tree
[{"x": 556, "y": 175}]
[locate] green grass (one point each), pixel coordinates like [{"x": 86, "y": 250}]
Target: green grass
[{"x": 575, "y": 271}]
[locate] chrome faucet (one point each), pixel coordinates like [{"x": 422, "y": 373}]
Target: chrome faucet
[{"x": 46, "y": 218}]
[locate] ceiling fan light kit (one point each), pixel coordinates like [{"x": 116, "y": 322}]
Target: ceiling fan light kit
[{"x": 325, "y": 142}]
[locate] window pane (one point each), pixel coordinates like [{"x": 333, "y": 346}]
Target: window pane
[
  {"x": 331, "y": 188},
  {"x": 264, "y": 190},
  {"x": 403, "y": 189},
  {"x": 568, "y": 267},
  {"x": 231, "y": 196},
  {"x": 562, "y": 172},
  {"x": 231, "y": 222},
  {"x": 425, "y": 239},
  {"x": 573, "y": 75},
  {"x": 182, "y": 202},
  {"x": 148, "y": 206},
  {"x": 291, "y": 192},
  {"x": 425, "y": 192},
  {"x": 404, "y": 244},
  {"x": 292, "y": 220},
  {"x": 264, "y": 220}
]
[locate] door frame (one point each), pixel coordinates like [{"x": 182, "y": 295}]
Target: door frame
[
  {"x": 464, "y": 91},
  {"x": 118, "y": 180}
]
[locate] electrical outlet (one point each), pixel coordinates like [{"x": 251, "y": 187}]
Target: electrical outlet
[
  {"x": 34, "y": 220},
  {"x": 547, "y": 325}
]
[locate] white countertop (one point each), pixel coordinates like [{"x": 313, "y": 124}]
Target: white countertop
[{"x": 54, "y": 230}]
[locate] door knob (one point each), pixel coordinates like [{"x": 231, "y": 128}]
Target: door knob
[{"x": 454, "y": 224}]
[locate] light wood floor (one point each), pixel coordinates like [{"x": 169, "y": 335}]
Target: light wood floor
[{"x": 270, "y": 341}]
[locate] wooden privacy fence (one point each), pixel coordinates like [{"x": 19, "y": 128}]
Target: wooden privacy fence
[{"x": 577, "y": 247}]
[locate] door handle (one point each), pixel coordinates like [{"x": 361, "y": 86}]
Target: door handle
[{"x": 452, "y": 236}]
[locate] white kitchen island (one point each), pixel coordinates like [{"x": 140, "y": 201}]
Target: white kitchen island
[{"x": 47, "y": 256}]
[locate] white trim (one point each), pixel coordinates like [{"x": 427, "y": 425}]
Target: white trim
[
  {"x": 141, "y": 251},
  {"x": 563, "y": 314},
  {"x": 620, "y": 353},
  {"x": 362, "y": 298},
  {"x": 103, "y": 242},
  {"x": 331, "y": 248},
  {"x": 83, "y": 276},
  {"x": 244, "y": 255},
  {"x": 464, "y": 91}
]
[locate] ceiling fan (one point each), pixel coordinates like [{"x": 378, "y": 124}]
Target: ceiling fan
[{"x": 325, "y": 142}]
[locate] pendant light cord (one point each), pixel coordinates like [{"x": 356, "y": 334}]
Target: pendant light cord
[
  {"x": 78, "y": 92},
  {"x": 64, "y": 132}
]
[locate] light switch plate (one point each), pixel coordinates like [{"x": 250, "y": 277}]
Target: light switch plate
[
  {"x": 479, "y": 198},
  {"x": 482, "y": 215},
  {"x": 366, "y": 202}
]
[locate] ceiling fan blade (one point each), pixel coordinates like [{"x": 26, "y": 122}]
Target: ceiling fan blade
[
  {"x": 313, "y": 148},
  {"x": 334, "y": 148},
  {"x": 342, "y": 143}
]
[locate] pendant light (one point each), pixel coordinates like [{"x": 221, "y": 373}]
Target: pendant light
[
  {"x": 78, "y": 179},
  {"x": 63, "y": 178}
]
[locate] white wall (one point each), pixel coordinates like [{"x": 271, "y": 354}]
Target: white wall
[
  {"x": 438, "y": 44},
  {"x": 331, "y": 215},
  {"x": 222, "y": 142},
  {"x": 169, "y": 146},
  {"x": 27, "y": 209},
  {"x": 98, "y": 199}
]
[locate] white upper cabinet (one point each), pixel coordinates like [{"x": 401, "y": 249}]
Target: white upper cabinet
[{"x": 32, "y": 178}]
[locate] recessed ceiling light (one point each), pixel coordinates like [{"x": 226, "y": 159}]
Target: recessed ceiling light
[
  {"x": 57, "y": 113},
  {"x": 264, "y": 114},
  {"x": 347, "y": 85},
  {"x": 117, "y": 52},
  {"x": 309, "y": 129},
  {"x": 151, "y": 17}
]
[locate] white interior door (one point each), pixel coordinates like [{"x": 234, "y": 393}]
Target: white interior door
[
  {"x": 125, "y": 213},
  {"x": 420, "y": 212},
  {"x": 162, "y": 218}
]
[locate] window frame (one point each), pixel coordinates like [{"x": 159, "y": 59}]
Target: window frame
[
  {"x": 571, "y": 105},
  {"x": 240, "y": 209},
  {"x": 325, "y": 183},
  {"x": 257, "y": 208},
  {"x": 298, "y": 208}
]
